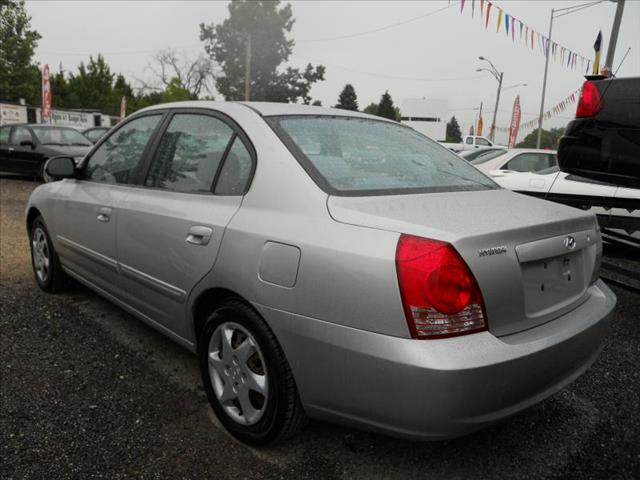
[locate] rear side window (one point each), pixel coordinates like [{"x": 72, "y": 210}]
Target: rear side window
[
  {"x": 530, "y": 162},
  {"x": 116, "y": 160},
  {"x": 4, "y": 134},
  {"x": 236, "y": 170},
  {"x": 189, "y": 154},
  {"x": 358, "y": 156}
]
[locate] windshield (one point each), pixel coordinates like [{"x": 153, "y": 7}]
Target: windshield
[
  {"x": 359, "y": 156},
  {"x": 60, "y": 136},
  {"x": 487, "y": 156}
]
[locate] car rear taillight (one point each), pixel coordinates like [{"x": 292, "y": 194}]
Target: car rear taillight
[
  {"x": 439, "y": 293},
  {"x": 590, "y": 101}
]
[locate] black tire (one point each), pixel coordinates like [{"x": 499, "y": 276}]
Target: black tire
[
  {"x": 283, "y": 414},
  {"x": 55, "y": 280}
]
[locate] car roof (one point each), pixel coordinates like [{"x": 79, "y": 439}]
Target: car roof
[
  {"x": 266, "y": 109},
  {"x": 529, "y": 150}
]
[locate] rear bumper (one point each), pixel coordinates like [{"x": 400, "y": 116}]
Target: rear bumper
[{"x": 432, "y": 389}]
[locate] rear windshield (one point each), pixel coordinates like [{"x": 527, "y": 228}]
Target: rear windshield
[
  {"x": 358, "y": 156},
  {"x": 486, "y": 156}
]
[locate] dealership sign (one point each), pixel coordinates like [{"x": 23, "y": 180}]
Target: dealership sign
[{"x": 515, "y": 122}]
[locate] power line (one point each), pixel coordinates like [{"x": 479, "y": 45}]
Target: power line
[
  {"x": 395, "y": 77},
  {"x": 375, "y": 30}
]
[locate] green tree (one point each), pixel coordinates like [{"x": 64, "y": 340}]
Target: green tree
[
  {"x": 348, "y": 100},
  {"x": 92, "y": 85},
  {"x": 386, "y": 108},
  {"x": 262, "y": 28},
  {"x": 316, "y": 103},
  {"x": 371, "y": 109},
  {"x": 176, "y": 92},
  {"x": 19, "y": 75},
  {"x": 548, "y": 140},
  {"x": 454, "y": 135}
]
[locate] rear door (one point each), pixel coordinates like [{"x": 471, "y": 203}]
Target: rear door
[
  {"x": 170, "y": 228},
  {"x": 86, "y": 213},
  {"x": 23, "y": 158}
]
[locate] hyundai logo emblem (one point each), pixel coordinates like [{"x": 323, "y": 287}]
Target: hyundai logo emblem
[{"x": 569, "y": 242}]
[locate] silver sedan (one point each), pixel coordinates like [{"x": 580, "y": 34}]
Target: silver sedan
[{"x": 328, "y": 264}]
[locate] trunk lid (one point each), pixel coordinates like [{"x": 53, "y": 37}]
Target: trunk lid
[{"x": 513, "y": 244}]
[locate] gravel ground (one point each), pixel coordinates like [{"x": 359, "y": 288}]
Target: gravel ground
[{"x": 87, "y": 391}]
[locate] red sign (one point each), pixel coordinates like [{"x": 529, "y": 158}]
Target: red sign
[
  {"x": 480, "y": 126},
  {"x": 123, "y": 107},
  {"x": 46, "y": 94},
  {"x": 515, "y": 122}
]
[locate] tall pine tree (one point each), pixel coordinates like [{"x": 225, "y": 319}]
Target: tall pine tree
[
  {"x": 386, "y": 108},
  {"x": 348, "y": 100},
  {"x": 454, "y": 135}
]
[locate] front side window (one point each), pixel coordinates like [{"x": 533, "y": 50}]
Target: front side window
[
  {"x": 482, "y": 142},
  {"x": 189, "y": 154},
  {"x": 118, "y": 157},
  {"x": 60, "y": 136},
  {"x": 21, "y": 134},
  {"x": 529, "y": 162},
  {"x": 357, "y": 156}
]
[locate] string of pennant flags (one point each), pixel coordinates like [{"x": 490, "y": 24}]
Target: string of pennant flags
[
  {"x": 557, "y": 109},
  {"x": 520, "y": 32}
]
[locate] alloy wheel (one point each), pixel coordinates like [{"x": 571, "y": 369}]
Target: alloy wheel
[{"x": 238, "y": 373}]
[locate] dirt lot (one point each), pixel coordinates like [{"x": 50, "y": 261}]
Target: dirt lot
[{"x": 87, "y": 391}]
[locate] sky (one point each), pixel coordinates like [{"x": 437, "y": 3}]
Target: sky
[{"x": 413, "y": 49}]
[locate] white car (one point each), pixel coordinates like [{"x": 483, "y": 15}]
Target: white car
[
  {"x": 616, "y": 207},
  {"x": 516, "y": 160}
]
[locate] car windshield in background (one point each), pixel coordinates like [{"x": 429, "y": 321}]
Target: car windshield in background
[
  {"x": 60, "y": 136},
  {"x": 473, "y": 154},
  {"x": 487, "y": 156},
  {"x": 358, "y": 156}
]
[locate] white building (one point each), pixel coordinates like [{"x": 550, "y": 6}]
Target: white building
[
  {"x": 426, "y": 115},
  {"x": 15, "y": 113}
]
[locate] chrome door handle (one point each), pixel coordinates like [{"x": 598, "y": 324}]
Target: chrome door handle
[
  {"x": 104, "y": 214},
  {"x": 11, "y": 149},
  {"x": 199, "y": 235}
]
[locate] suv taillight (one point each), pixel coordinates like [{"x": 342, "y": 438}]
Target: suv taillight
[
  {"x": 590, "y": 100},
  {"x": 439, "y": 293}
]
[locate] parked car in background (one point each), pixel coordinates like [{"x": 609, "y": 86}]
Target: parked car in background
[
  {"x": 95, "y": 133},
  {"x": 516, "y": 160},
  {"x": 611, "y": 203},
  {"x": 327, "y": 263},
  {"x": 485, "y": 152},
  {"x": 603, "y": 142},
  {"x": 469, "y": 142},
  {"x": 25, "y": 148}
]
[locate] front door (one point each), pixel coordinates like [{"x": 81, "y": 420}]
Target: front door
[
  {"x": 170, "y": 230},
  {"x": 87, "y": 208}
]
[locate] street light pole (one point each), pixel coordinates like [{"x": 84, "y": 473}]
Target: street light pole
[
  {"x": 614, "y": 36},
  {"x": 247, "y": 70},
  {"x": 544, "y": 82},
  {"x": 492, "y": 133}
]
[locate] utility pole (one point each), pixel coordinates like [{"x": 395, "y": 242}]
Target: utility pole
[
  {"x": 247, "y": 71},
  {"x": 492, "y": 133},
  {"x": 547, "y": 53},
  {"x": 614, "y": 36}
]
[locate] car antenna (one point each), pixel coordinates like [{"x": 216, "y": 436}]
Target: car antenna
[{"x": 622, "y": 61}]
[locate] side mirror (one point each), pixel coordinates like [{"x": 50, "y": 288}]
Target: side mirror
[
  {"x": 57, "y": 168},
  {"x": 27, "y": 143}
]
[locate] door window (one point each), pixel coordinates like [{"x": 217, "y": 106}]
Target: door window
[
  {"x": 116, "y": 160},
  {"x": 189, "y": 154},
  {"x": 20, "y": 134},
  {"x": 482, "y": 142},
  {"x": 4, "y": 135},
  {"x": 529, "y": 162},
  {"x": 236, "y": 170}
]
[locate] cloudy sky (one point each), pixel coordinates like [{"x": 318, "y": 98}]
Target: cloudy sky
[{"x": 414, "y": 49}]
